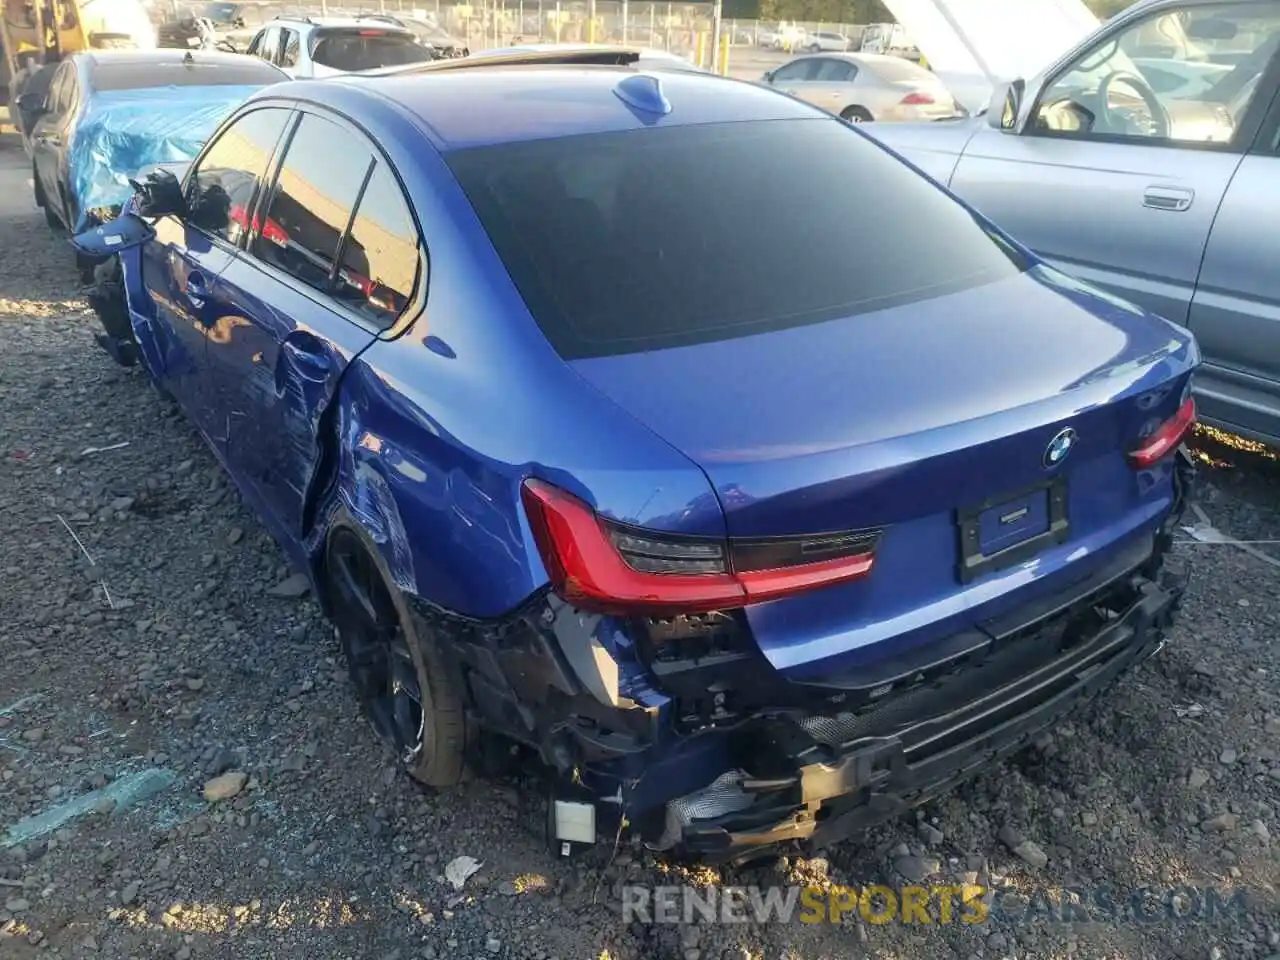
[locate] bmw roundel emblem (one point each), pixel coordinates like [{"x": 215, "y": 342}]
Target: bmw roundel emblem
[{"x": 1059, "y": 447}]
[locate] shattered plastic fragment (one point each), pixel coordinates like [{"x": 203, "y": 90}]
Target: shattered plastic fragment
[
  {"x": 125, "y": 792},
  {"x": 459, "y": 869}
]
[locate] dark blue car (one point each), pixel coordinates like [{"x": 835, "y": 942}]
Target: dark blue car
[{"x": 671, "y": 428}]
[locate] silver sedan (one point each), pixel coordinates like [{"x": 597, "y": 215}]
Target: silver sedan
[{"x": 865, "y": 86}]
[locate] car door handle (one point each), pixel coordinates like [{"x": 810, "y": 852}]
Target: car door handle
[
  {"x": 1173, "y": 199},
  {"x": 307, "y": 355},
  {"x": 196, "y": 290}
]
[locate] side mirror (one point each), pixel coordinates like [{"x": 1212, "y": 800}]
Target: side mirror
[
  {"x": 768, "y": 77},
  {"x": 1212, "y": 28},
  {"x": 31, "y": 104},
  {"x": 1006, "y": 103},
  {"x": 238, "y": 23},
  {"x": 160, "y": 195}
]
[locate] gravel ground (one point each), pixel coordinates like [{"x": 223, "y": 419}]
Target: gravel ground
[{"x": 319, "y": 851}]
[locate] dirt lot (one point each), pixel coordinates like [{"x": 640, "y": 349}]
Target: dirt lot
[{"x": 194, "y": 666}]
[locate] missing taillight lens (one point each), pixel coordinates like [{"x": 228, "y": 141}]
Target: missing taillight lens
[
  {"x": 601, "y": 565},
  {"x": 1166, "y": 438}
]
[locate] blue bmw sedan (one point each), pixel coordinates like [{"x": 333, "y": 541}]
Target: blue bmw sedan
[{"x": 670, "y": 428}]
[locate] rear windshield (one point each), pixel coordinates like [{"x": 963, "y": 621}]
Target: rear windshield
[
  {"x": 622, "y": 242},
  {"x": 896, "y": 69},
  {"x": 134, "y": 76},
  {"x": 366, "y": 48}
]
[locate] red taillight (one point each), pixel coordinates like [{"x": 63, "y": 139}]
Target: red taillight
[
  {"x": 917, "y": 99},
  {"x": 275, "y": 233},
  {"x": 1166, "y": 438},
  {"x": 599, "y": 565}
]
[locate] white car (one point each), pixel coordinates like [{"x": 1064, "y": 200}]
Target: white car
[
  {"x": 826, "y": 42},
  {"x": 305, "y": 47}
]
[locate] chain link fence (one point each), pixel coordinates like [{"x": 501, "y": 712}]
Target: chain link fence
[{"x": 681, "y": 28}]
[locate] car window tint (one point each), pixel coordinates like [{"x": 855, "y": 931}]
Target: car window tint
[
  {"x": 311, "y": 201},
  {"x": 366, "y": 49},
  {"x": 1107, "y": 92},
  {"x": 56, "y": 97},
  {"x": 380, "y": 257},
  {"x": 222, "y": 188},
  {"x": 796, "y": 71},
  {"x": 835, "y": 71},
  {"x": 270, "y": 43},
  {"x": 255, "y": 45},
  {"x": 620, "y": 242},
  {"x": 290, "y": 58}
]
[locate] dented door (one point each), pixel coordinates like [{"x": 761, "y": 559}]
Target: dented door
[{"x": 278, "y": 352}]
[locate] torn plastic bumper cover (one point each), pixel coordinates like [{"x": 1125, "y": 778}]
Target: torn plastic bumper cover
[{"x": 820, "y": 779}]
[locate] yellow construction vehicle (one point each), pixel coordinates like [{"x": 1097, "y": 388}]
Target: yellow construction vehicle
[{"x": 33, "y": 33}]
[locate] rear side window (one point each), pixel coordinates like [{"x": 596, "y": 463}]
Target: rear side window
[
  {"x": 366, "y": 49},
  {"x": 223, "y": 186},
  {"x": 290, "y": 56},
  {"x": 622, "y": 242},
  {"x": 380, "y": 256},
  {"x": 311, "y": 201},
  {"x": 835, "y": 71}
]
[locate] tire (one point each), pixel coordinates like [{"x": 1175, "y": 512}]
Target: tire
[
  {"x": 42, "y": 201},
  {"x": 386, "y": 647},
  {"x": 814, "y": 48},
  {"x": 856, "y": 115}
]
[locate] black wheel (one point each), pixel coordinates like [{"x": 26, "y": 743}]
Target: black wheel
[
  {"x": 814, "y": 48},
  {"x": 406, "y": 687},
  {"x": 42, "y": 201},
  {"x": 855, "y": 115},
  {"x": 37, "y": 188}
]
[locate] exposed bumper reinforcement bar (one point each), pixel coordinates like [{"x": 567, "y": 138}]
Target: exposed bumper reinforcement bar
[{"x": 836, "y": 791}]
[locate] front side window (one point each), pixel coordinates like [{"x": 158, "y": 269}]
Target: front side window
[
  {"x": 270, "y": 43},
  {"x": 222, "y": 188},
  {"x": 311, "y": 201},
  {"x": 796, "y": 72},
  {"x": 1181, "y": 76},
  {"x": 55, "y": 99},
  {"x": 640, "y": 240}
]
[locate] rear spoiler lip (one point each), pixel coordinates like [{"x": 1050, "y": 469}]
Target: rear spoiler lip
[{"x": 621, "y": 57}]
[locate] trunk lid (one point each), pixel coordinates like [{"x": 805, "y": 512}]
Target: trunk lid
[{"x": 903, "y": 419}]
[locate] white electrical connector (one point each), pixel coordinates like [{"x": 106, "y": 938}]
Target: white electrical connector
[{"x": 575, "y": 822}]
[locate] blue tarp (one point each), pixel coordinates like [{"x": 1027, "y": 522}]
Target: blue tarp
[{"x": 121, "y": 132}]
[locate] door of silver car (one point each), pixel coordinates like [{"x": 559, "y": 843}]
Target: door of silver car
[
  {"x": 1236, "y": 310},
  {"x": 794, "y": 77},
  {"x": 831, "y": 84},
  {"x": 1115, "y": 182}
]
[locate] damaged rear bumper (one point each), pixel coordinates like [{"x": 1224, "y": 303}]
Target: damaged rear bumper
[{"x": 819, "y": 787}]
